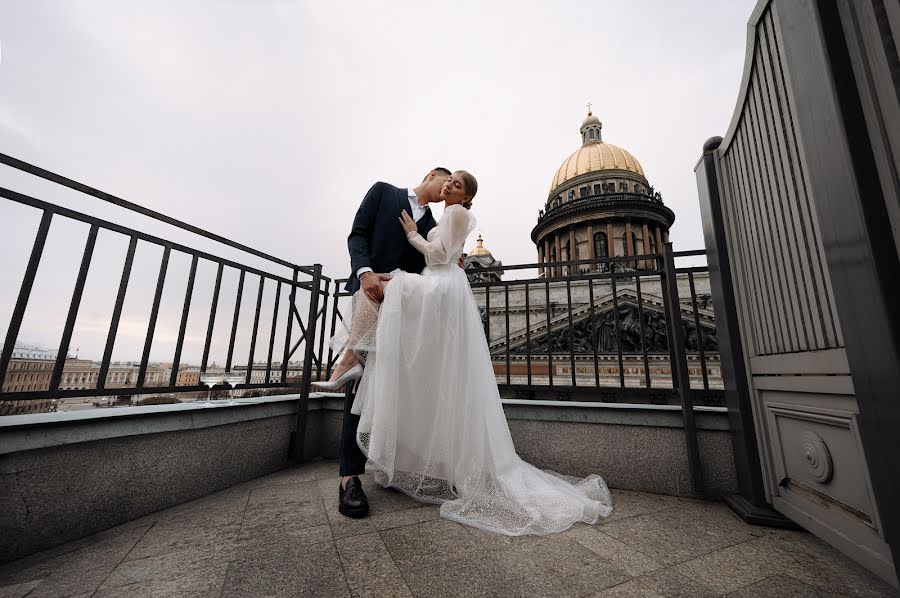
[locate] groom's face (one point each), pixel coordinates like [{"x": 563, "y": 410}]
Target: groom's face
[{"x": 434, "y": 182}]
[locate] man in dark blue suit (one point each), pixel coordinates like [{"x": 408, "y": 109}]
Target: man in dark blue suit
[{"x": 378, "y": 245}]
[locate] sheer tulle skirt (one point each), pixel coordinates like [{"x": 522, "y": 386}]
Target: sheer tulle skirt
[{"x": 432, "y": 424}]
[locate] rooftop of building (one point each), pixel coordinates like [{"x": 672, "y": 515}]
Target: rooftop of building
[{"x": 281, "y": 534}]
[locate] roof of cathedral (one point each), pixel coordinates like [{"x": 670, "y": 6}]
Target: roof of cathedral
[
  {"x": 594, "y": 155},
  {"x": 480, "y": 248}
]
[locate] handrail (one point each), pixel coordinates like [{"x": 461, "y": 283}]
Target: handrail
[{"x": 122, "y": 203}]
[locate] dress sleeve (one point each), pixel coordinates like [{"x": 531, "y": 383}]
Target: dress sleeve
[{"x": 451, "y": 230}]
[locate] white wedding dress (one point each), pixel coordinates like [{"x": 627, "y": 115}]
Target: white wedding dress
[{"x": 431, "y": 420}]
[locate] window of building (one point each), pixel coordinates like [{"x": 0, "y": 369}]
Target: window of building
[
  {"x": 634, "y": 243},
  {"x": 571, "y": 193},
  {"x": 583, "y": 191},
  {"x": 597, "y": 189},
  {"x": 601, "y": 245}
]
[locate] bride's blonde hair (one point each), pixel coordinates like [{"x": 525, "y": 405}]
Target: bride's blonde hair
[{"x": 471, "y": 187}]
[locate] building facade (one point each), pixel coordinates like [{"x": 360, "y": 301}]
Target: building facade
[{"x": 477, "y": 260}]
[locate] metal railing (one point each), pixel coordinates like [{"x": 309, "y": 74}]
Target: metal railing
[
  {"x": 553, "y": 344},
  {"x": 304, "y": 286}
]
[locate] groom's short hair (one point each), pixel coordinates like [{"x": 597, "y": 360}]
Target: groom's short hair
[{"x": 439, "y": 169}]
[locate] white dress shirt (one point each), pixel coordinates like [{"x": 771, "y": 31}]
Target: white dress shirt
[{"x": 417, "y": 213}]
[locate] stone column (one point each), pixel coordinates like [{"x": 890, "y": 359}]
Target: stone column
[
  {"x": 610, "y": 240},
  {"x": 592, "y": 252},
  {"x": 558, "y": 253},
  {"x": 658, "y": 240},
  {"x": 665, "y": 236},
  {"x": 547, "y": 272},
  {"x": 541, "y": 258},
  {"x": 646, "y": 238},
  {"x": 573, "y": 244},
  {"x": 629, "y": 246}
]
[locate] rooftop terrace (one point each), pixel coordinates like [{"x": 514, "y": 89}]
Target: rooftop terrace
[{"x": 281, "y": 534}]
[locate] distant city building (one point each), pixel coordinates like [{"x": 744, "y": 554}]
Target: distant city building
[
  {"x": 29, "y": 369},
  {"x": 478, "y": 259}
]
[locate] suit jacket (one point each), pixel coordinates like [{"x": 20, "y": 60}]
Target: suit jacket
[{"x": 377, "y": 239}]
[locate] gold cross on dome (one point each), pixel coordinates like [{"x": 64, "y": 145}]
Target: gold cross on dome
[{"x": 589, "y": 107}]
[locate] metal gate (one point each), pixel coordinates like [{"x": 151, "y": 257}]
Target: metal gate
[{"x": 767, "y": 192}]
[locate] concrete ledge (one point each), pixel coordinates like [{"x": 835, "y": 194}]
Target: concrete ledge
[
  {"x": 29, "y": 432},
  {"x": 667, "y": 416}
]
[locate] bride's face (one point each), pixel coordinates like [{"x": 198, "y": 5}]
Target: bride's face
[{"x": 454, "y": 190}]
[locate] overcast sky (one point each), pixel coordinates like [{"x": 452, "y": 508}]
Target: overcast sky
[{"x": 267, "y": 121}]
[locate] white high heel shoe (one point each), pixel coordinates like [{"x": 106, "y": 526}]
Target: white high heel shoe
[{"x": 354, "y": 373}]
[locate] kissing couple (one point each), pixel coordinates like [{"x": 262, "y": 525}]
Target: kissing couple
[{"x": 427, "y": 414}]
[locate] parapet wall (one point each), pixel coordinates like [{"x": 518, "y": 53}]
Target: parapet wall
[{"x": 68, "y": 475}]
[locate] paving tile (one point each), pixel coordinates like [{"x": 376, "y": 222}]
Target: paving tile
[
  {"x": 182, "y": 573},
  {"x": 18, "y": 590},
  {"x": 660, "y": 584},
  {"x": 412, "y": 516},
  {"x": 274, "y": 534},
  {"x": 283, "y": 510},
  {"x": 287, "y": 569},
  {"x": 199, "y": 529},
  {"x": 817, "y": 564},
  {"x": 345, "y": 527},
  {"x": 565, "y": 567},
  {"x": 737, "y": 566},
  {"x": 630, "y": 504},
  {"x": 317, "y": 469},
  {"x": 547, "y": 567},
  {"x": 41, "y": 564},
  {"x": 681, "y": 534},
  {"x": 612, "y": 551},
  {"x": 430, "y": 544},
  {"x": 85, "y": 569},
  {"x": 381, "y": 502},
  {"x": 782, "y": 586},
  {"x": 369, "y": 568}
]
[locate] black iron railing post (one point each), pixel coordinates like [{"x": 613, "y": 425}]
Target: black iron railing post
[
  {"x": 299, "y": 437},
  {"x": 677, "y": 350},
  {"x": 12, "y": 333}
]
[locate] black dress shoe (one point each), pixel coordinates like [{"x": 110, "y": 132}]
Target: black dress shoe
[{"x": 352, "y": 501}]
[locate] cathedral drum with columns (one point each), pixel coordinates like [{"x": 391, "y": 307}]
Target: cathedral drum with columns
[{"x": 600, "y": 205}]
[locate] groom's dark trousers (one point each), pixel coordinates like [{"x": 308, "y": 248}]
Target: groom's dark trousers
[{"x": 377, "y": 241}]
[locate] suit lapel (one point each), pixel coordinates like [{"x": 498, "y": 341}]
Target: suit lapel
[
  {"x": 403, "y": 202},
  {"x": 425, "y": 223}
]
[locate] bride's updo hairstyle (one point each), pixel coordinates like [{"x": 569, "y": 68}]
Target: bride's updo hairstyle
[{"x": 471, "y": 186}]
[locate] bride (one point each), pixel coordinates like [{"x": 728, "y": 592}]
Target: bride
[{"x": 431, "y": 421}]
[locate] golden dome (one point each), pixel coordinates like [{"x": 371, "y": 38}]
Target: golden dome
[
  {"x": 593, "y": 157},
  {"x": 480, "y": 249}
]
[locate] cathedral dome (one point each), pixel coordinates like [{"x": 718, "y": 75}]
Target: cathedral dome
[
  {"x": 480, "y": 249},
  {"x": 594, "y": 157}
]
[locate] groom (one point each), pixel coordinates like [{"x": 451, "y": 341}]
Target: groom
[{"x": 378, "y": 245}]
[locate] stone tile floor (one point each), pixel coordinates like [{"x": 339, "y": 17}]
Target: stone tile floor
[{"x": 282, "y": 535}]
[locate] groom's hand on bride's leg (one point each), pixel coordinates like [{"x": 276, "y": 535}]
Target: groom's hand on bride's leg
[{"x": 372, "y": 285}]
